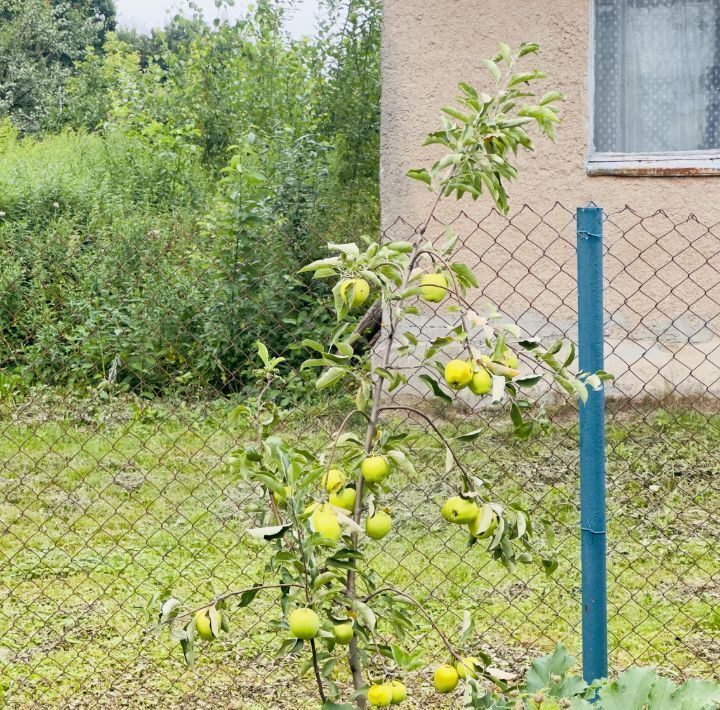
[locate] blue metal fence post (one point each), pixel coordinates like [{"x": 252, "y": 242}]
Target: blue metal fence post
[{"x": 592, "y": 446}]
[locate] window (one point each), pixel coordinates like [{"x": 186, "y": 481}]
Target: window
[{"x": 656, "y": 87}]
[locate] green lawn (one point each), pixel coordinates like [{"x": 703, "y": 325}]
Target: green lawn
[{"x": 107, "y": 504}]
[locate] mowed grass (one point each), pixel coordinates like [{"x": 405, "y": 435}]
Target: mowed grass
[{"x": 106, "y": 507}]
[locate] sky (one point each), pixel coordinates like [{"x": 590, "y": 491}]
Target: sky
[{"x": 144, "y": 15}]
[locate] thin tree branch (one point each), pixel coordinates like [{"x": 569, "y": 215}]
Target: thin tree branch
[
  {"x": 316, "y": 668},
  {"x": 258, "y": 439},
  {"x": 465, "y": 474},
  {"x": 456, "y": 292},
  {"x": 425, "y": 614},
  {"x": 229, "y": 595},
  {"x": 451, "y": 649}
]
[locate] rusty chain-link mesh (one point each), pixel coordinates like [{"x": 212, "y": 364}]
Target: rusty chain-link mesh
[{"x": 113, "y": 499}]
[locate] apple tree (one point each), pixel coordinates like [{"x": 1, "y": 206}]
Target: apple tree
[{"x": 325, "y": 509}]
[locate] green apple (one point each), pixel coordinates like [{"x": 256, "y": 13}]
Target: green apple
[
  {"x": 304, "y": 623},
  {"x": 344, "y": 499},
  {"x": 445, "y": 679},
  {"x": 458, "y": 374},
  {"x": 361, "y": 290},
  {"x": 433, "y": 287},
  {"x": 467, "y": 668},
  {"x": 399, "y": 692},
  {"x": 481, "y": 382},
  {"x": 280, "y": 498},
  {"x": 378, "y": 525},
  {"x": 343, "y": 633},
  {"x": 333, "y": 480},
  {"x": 375, "y": 469},
  {"x": 380, "y": 696},
  {"x": 203, "y": 627},
  {"x": 484, "y": 524},
  {"x": 460, "y": 510},
  {"x": 510, "y": 359},
  {"x": 325, "y": 522}
]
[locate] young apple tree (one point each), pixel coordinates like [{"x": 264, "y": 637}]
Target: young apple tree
[{"x": 324, "y": 511}]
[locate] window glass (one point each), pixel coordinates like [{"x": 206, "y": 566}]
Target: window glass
[{"x": 657, "y": 76}]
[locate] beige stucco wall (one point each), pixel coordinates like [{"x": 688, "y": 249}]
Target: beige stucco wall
[
  {"x": 430, "y": 45},
  {"x": 663, "y": 330}
]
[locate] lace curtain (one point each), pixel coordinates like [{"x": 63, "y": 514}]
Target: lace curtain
[{"x": 657, "y": 75}]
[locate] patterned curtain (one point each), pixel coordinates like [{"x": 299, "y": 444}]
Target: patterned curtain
[{"x": 657, "y": 75}]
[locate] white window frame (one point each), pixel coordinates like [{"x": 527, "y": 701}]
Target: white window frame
[{"x": 668, "y": 164}]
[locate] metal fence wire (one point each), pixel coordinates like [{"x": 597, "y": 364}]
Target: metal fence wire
[{"x": 112, "y": 498}]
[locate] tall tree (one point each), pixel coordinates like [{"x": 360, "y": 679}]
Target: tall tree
[{"x": 39, "y": 45}]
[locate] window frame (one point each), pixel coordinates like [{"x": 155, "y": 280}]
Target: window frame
[{"x": 661, "y": 164}]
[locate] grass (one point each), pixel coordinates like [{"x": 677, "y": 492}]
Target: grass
[{"x": 107, "y": 505}]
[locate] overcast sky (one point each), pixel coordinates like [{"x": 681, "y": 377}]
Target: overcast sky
[{"x": 143, "y": 15}]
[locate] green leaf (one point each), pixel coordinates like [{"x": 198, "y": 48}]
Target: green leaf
[
  {"x": 527, "y": 382},
  {"x": 498, "y": 388},
  {"x": 469, "y": 436},
  {"x": 528, "y": 48},
  {"x": 505, "y": 53},
  {"x": 247, "y": 597},
  {"x": 350, "y": 248},
  {"x": 421, "y": 174},
  {"x": 451, "y": 238},
  {"x": 642, "y": 687},
  {"x": 570, "y": 358},
  {"x": 468, "y": 626},
  {"x": 263, "y": 352},
  {"x": 550, "y": 564},
  {"x": 269, "y": 533},
  {"x": 468, "y": 90},
  {"x": 188, "y": 645},
  {"x": 449, "y": 460},
  {"x": 450, "y": 111},
  {"x": 465, "y": 274},
  {"x": 525, "y": 77},
  {"x": 328, "y": 667},
  {"x": 552, "y": 96},
  {"x": 169, "y": 610},
  {"x": 630, "y": 690},
  {"x": 322, "y": 264},
  {"x": 290, "y": 647},
  {"x": 435, "y": 387},
  {"x": 493, "y": 69},
  {"x": 367, "y": 614},
  {"x": 318, "y": 347},
  {"x": 692, "y": 694},
  {"x": 401, "y": 247},
  {"x": 331, "y": 376},
  {"x": 559, "y": 662},
  {"x": 401, "y": 461}
]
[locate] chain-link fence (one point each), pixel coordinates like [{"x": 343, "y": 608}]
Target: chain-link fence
[{"x": 115, "y": 493}]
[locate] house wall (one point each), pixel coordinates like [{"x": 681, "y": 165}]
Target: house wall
[{"x": 663, "y": 325}]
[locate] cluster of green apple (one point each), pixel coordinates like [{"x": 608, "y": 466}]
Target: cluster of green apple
[
  {"x": 480, "y": 521},
  {"x": 341, "y": 499},
  {"x": 447, "y": 676},
  {"x": 433, "y": 288},
  {"x": 305, "y": 624},
  {"x": 477, "y": 375}
]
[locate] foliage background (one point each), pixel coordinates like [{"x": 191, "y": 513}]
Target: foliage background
[{"x": 144, "y": 180}]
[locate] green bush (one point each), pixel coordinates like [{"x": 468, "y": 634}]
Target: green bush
[{"x": 155, "y": 236}]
